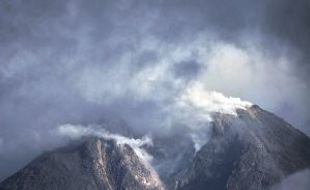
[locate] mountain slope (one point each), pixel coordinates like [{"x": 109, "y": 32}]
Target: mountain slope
[
  {"x": 254, "y": 150},
  {"x": 94, "y": 164},
  {"x": 251, "y": 150}
]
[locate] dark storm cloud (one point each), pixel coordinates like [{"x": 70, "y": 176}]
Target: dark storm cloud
[
  {"x": 289, "y": 22},
  {"x": 187, "y": 69},
  {"x": 79, "y": 61}
]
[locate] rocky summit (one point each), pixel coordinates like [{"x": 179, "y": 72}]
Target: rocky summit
[{"x": 251, "y": 150}]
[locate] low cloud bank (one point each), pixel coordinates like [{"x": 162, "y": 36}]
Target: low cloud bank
[{"x": 297, "y": 181}]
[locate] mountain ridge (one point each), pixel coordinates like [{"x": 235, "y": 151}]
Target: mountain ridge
[{"x": 253, "y": 150}]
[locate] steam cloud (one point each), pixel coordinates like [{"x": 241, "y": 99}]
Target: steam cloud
[
  {"x": 151, "y": 65},
  {"x": 76, "y": 132}
]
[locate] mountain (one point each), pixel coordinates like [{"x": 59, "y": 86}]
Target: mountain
[
  {"x": 253, "y": 149},
  {"x": 94, "y": 164}
]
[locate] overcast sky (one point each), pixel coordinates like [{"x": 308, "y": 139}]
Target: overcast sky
[{"x": 83, "y": 62}]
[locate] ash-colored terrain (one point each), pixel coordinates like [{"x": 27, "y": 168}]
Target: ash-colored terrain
[{"x": 250, "y": 150}]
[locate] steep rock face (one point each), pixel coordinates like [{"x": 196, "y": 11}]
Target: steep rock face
[
  {"x": 95, "y": 164},
  {"x": 254, "y": 150}
]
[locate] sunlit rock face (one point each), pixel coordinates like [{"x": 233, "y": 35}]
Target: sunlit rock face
[{"x": 248, "y": 149}]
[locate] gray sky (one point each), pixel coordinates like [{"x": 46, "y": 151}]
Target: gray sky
[{"x": 88, "y": 61}]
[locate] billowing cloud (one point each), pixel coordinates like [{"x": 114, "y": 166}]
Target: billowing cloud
[{"x": 150, "y": 64}]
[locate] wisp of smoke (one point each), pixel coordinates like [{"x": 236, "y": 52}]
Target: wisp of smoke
[
  {"x": 155, "y": 64},
  {"x": 78, "y": 131}
]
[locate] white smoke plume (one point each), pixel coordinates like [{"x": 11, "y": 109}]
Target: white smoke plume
[
  {"x": 78, "y": 131},
  {"x": 155, "y": 64},
  {"x": 211, "y": 101}
]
